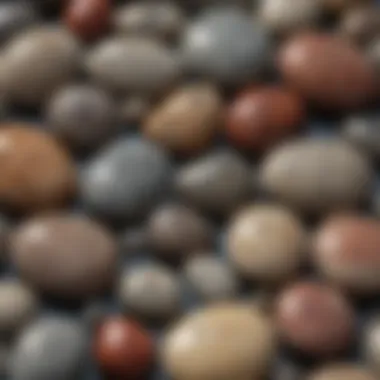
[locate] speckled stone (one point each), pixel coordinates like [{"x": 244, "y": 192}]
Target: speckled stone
[
  {"x": 175, "y": 125},
  {"x": 218, "y": 182},
  {"x": 345, "y": 252},
  {"x": 84, "y": 116},
  {"x": 37, "y": 173},
  {"x": 213, "y": 334},
  {"x": 50, "y": 348},
  {"x": 341, "y": 371},
  {"x": 151, "y": 291},
  {"x": 327, "y": 175},
  {"x": 176, "y": 231},
  {"x": 371, "y": 344},
  {"x": 39, "y": 61},
  {"x": 315, "y": 319},
  {"x": 253, "y": 250},
  {"x": 226, "y": 45},
  {"x": 133, "y": 65},
  {"x": 126, "y": 179},
  {"x": 65, "y": 256}
]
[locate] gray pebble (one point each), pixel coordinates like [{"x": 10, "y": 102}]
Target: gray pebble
[
  {"x": 126, "y": 179},
  {"x": 51, "y": 348},
  {"x": 226, "y": 45}
]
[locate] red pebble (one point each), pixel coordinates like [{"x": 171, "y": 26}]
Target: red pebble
[
  {"x": 123, "y": 349},
  {"x": 88, "y": 18},
  {"x": 259, "y": 118}
]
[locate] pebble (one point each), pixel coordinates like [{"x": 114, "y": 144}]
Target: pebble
[
  {"x": 203, "y": 345},
  {"x": 255, "y": 253},
  {"x": 162, "y": 20},
  {"x": 284, "y": 17},
  {"x": 88, "y": 19},
  {"x": 39, "y": 61},
  {"x": 345, "y": 251},
  {"x": 176, "y": 231},
  {"x": 134, "y": 65},
  {"x": 51, "y": 348},
  {"x": 224, "y": 44},
  {"x": 133, "y": 110},
  {"x": 315, "y": 319},
  {"x": 217, "y": 182},
  {"x": 174, "y": 124},
  {"x": 84, "y": 116},
  {"x": 371, "y": 344},
  {"x": 211, "y": 278},
  {"x": 344, "y": 79},
  {"x": 151, "y": 291},
  {"x": 126, "y": 179},
  {"x": 37, "y": 173},
  {"x": 327, "y": 175},
  {"x": 123, "y": 349},
  {"x": 259, "y": 118},
  {"x": 65, "y": 256},
  {"x": 341, "y": 371}
]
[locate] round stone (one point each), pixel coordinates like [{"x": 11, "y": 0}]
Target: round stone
[
  {"x": 341, "y": 371},
  {"x": 123, "y": 349},
  {"x": 345, "y": 252},
  {"x": 218, "y": 182},
  {"x": 213, "y": 334},
  {"x": 211, "y": 278},
  {"x": 84, "y": 116},
  {"x": 126, "y": 179},
  {"x": 65, "y": 256},
  {"x": 175, "y": 125},
  {"x": 226, "y": 45},
  {"x": 151, "y": 291},
  {"x": 344, "y": 79},
  {"x": 176, "y": 231},
  {"x": 371, "y": 344},
  {"x": 50, "y": 348},
  {"x": 315, "y": 319},
  {"x": 253, "y": 250},
  {"x": 39, "y": 61},
  {"x": 327, "y": 175},
  {"x": 133, "y": 65},
  {"x": 259, "y": 118},
  {"x": 37, "y": 173}
]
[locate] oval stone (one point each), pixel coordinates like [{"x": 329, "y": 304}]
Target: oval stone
[{"x": 341, "y": 371}]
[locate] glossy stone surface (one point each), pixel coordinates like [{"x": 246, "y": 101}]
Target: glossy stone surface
[
  {"x": 151, "y": 291},
  {"x": 327, "y": 175},
  {"x": 65, "y": 256},
  {"x": 254, "y": 252},
  {"x": 37, "y": 172},
  {"x": 217, "y": 182},
  {"x": 84, "y": 116},
  {"x": 176, "y": 231},
  {"x": 39, "y": 61},
  {"x": 88, "y": 19},
  {"x": 175, "y": 125},
  {"x": 123, "y": 349},
  {"x": 343, "y": 79},
  {"x": 224, "y": 44},
  {"x": 133, "y": 65},
  {"x": 213, "y": 334},
  {"x": 315, "y": 319},
  {"x": 50, "y": 348},
  {"x": 341, "y": 371},
  {"x": 345, "y": 252},
  {"x": 126, "y": 179},
  {"x": 260, "y": 117}
]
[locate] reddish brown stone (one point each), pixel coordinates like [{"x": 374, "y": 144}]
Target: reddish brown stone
[
  {"x": 36, "y": 172},
  {"x": 315, "y": 319},
  {"x": 327, "y": 70},
  {"x": 123, "y": 349},
  {"x": 88, "y": 18},
  {"x": 258, "y": 118}
]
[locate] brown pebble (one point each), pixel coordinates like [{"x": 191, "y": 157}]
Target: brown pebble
[
  {"x": 341, "y": 371},
  {"x": 315, "y": 319},
  {"x": 187, "y": 121},
  {"x": 327, "y": 71},
  {"x": 65, "y": 256},
  {"x": 37, "y": 172}
]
